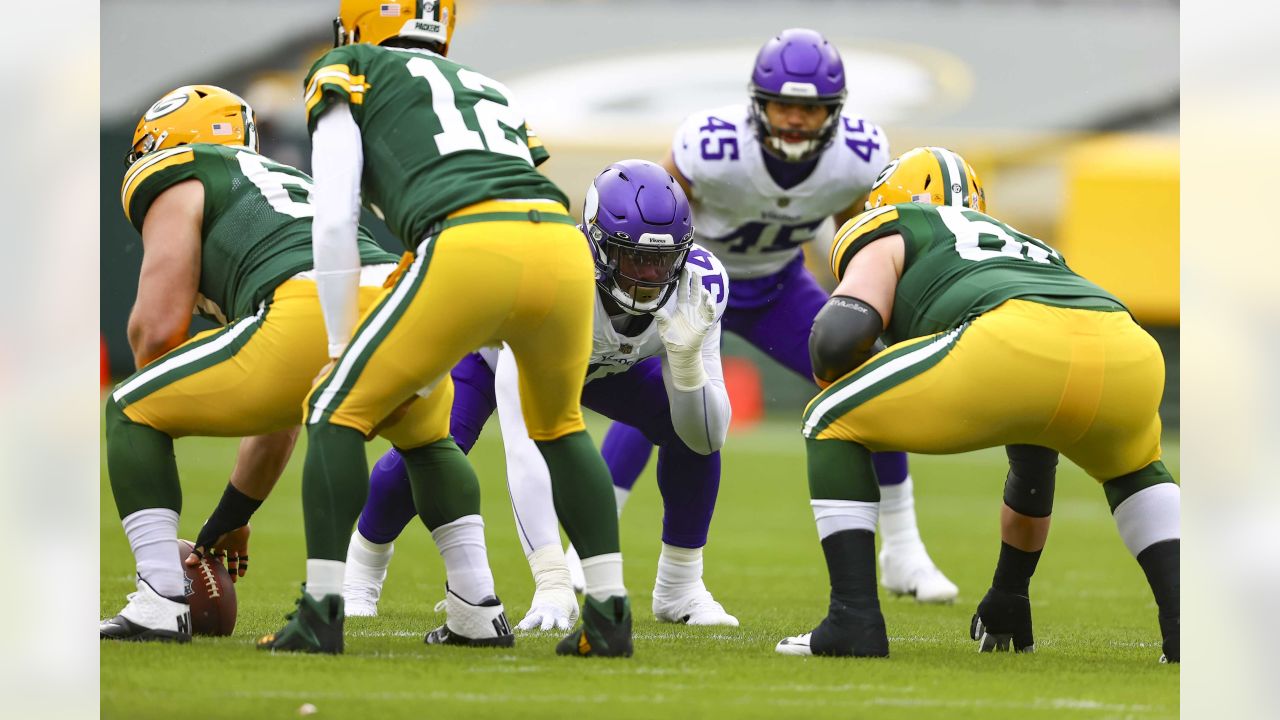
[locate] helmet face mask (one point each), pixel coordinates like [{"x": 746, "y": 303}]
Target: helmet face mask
[
  {"x": 194, "y": 114},
  {"x": 421, "y": 22},
  {"x": 797, "y": 67},
  {"x": 931, "y": 175},
  {"x": 640, "y": 227}
]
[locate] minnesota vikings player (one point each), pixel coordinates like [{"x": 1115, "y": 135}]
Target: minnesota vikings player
[
  {"x": 762, "y": 178},
  {"x": 655, "y": 365}
]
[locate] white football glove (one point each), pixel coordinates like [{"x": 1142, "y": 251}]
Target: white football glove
[
  {"x": 683, "y": 325},
  {"x": 554, "y": 605}
]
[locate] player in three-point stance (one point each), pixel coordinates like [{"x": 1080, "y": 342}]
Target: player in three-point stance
[
  {"x": 655, "y": 364},
  {"x": 228, "y": 232},
  {"x": 443, "y": 155},
  {"x": 762, "y": 178},
  {"x": 971, "y": 304}
]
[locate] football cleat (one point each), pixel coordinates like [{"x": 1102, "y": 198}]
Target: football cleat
[
  {"x": 482, "y": 625},
  {"x": 1171, "y": 630},
  {"x": 845, "y": 632},
  {"x": 1003, "y": 623},
  {"x": 576, "y": 576},
  {"x": 912, "y": 572},
  {"x": 695, "y": 608},
  {"x": 605, "y": 631},
  {"x": 315, "y": 626},
  {"x": 149, "y": 616},
  {"x": 362, "y": 583}
]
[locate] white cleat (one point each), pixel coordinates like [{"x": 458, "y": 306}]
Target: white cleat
[
  {"x": 149, "y": 616},
  {"x": 795, "y": 645},
  {"x": 576, "y": 576},
  {"x": 474, "y": 625},
  {"x": 912, "y": 572},
  {"x": 362, "y": 583},
  {"x": 695, "y": 608}
]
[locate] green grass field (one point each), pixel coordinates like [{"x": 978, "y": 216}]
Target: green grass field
[{"x": 1096, "y": 630}]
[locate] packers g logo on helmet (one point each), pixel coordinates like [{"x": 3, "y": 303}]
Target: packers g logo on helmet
[
  {"x": 194, "y": 114},
  {"x": 374, "y": 22},
  {"x": 928, "y": 175}
]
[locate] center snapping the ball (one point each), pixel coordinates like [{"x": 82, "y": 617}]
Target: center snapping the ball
[{"x": 211, "y": 593}]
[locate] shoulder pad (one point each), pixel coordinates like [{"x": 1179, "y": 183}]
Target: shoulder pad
[
  {"x": 857, "y": 232},
  {"x": 150, "y": 176},
  {"x": 707, "y": 266}
]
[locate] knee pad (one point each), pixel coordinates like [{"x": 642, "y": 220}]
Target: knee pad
[{"x": 1028, "y": 489}]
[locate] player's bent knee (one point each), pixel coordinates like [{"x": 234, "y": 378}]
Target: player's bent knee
[
  {"x": 1028, "y": 489},
  {"x": 843, "y": 337},
  {"x": 1121, "y": 488}
]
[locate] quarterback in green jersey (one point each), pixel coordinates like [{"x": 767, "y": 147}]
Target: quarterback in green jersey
[
  {"x": 227, "y": 232},
  {"x": 443, "y": 155},
  {"x": 994, "y": 341}
]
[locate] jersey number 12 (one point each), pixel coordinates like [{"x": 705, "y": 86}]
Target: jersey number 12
[{"x": 493, "y": 118}]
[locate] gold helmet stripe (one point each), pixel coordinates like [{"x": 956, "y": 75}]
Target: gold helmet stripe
[{"x": 952, "y": 175}]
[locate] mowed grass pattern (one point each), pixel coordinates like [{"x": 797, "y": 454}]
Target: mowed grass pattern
[{"x": 1096, "y": 631}]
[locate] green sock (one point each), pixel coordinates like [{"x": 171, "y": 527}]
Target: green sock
[
  {"x": 583, "y": 493},
  {"x": 335, "y": 482},
  {"x": 140, "y": 464},
  {"x": 841, "y": 470},
  {"x": 445, "y": 486}
]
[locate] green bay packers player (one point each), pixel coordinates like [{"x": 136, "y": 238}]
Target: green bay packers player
[
  {"x": 443, "y": 154},
  {"x": 228, "y": 232},
  {"x": 996, "y": 342}
]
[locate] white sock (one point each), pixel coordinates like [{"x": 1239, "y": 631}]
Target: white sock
[
  {"x": 898, "y": 516},
  {"x": 679, "y": 570},
  {"x": 604, "y": 576},
  {"x": 324, "y": 577},
  {"x": 153, "y": 537},
  {"x": 620, "y": 496},
  {"x": 832, "y": 516},
  {"x": 466, "y": 563},
  {"x": 368, "y": 559},
  {"x": 1149, "y": 516},
  {"x": 549, "y": 568}
]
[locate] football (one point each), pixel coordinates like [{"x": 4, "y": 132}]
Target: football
[{"x": 211, "y": 593}]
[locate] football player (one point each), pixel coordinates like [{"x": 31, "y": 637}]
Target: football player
[
  {"x": 228, "y": 232},
  {"x": 655, "y": 365},
  {"x": 973, "y": 305},
  {"x": 444, "y": 156},
  {"x": 762, "y": 177}
]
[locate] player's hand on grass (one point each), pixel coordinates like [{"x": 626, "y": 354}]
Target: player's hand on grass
[
  {"x": 548, "y": 616},
  {"x": 232, "y": 549}
]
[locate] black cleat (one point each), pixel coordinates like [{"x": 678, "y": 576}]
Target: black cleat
[
  {"x": 1171, "y": 630},
  {"x": 482, "y": 625},
  {"x": 1003, "y": 623},
  {"x": 605, "y": 631},
  {"x": 850, "y": 632},
  {"x": 314, "y": 627},
  {"x": 149, "y": 617}
]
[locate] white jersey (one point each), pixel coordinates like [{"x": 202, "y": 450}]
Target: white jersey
[
  {"x": 700, "y": 417},
  {"x": 754, "y": 226},
  {"x": 612, "y": 352}
]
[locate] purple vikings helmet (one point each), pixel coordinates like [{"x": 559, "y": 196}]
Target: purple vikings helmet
[
  {"x": 640, "y": 226},
  {"x": 798, "y": 66}
]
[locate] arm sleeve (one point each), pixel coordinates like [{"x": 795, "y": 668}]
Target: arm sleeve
[
  {"x": 337, "y": 160},
  {"x": 701, "y": 417},
  {"x": 528, "y": 479}
]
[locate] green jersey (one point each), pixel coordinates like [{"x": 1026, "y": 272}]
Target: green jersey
[
  {"x": 960, "y": 263},
  {"x": 437, "y": 136},
  {"x": 257, "y": 221}
]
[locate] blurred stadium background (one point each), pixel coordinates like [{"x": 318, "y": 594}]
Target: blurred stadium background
[{"x": 1069, "y": 110}]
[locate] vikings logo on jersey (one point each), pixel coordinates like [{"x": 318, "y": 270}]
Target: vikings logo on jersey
[
  {"x": 613, "y": 352},
  {"x": 755, "y": 226}
]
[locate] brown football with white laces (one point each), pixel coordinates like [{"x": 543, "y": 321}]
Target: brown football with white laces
[{"x": 211, "y": 593}]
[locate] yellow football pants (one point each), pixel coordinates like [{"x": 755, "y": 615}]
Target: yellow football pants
[
  {"x": 247, "y": 378},
  {"x": 527, "y": 283},
  {"x": 1085, "y": 383}
]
